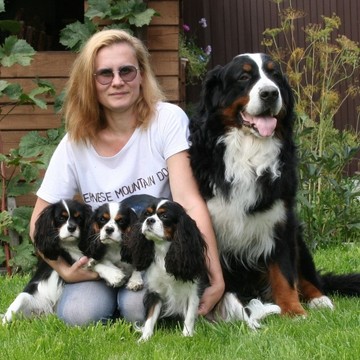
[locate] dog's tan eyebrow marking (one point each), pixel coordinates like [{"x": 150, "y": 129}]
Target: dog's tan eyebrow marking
[
  {"x": 106, "y": 215},
  {"x": 149, "y": 210},
  {"x": 77, "y": 214},
  {"x": 161, "y": 210},
  {"x": 118, "y": 217},
  {"x": 65, "y": 213},
  {"x": 247, "y": 67},
  {"x": 270, "y": 65}
]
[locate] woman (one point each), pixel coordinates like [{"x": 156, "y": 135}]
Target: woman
[{"x": 120, "y": 135}]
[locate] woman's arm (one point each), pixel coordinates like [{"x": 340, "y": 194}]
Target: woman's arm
[
  {"x": 185, "y": 191},
  {"x": 70, "y": 273}
]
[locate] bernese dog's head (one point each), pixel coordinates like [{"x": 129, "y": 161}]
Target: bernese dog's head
[{"x": 250, "y": 93}]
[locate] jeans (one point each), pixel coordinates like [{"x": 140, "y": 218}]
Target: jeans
[{"x": 93, "y": 301}]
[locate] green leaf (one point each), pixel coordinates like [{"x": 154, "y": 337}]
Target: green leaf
[
  {"x": 13, "y": 91},
  {"x": 16, "y": 187},
  {"x": 42, "y": 147},
  {"x": 74, "y": 35},
  {"x": 16, "y": 51},
  {"x": 98, "y": 8},
  {"x": 143, "y": 18},
  {"x": 24, "y": 256},
  {"x": 11, "y": 26},
  {"x": 3, "y": 85},
  {"x": 2, "y": 6}
]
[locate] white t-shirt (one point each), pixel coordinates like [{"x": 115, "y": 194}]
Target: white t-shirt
[{"x": 139, "y": 167}]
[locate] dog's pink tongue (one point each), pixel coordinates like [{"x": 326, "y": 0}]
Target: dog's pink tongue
[{"x": 264, "y": 124}]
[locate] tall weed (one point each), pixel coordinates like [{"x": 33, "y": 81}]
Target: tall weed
[{"x": 328, "y": 197}]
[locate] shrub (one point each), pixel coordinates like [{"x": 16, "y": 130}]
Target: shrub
[{"x": 328, "y": 198}]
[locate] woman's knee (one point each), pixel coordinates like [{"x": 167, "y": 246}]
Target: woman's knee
[
  {"x": 131, "y": 305},
  {"x": 87, "y": 302}
]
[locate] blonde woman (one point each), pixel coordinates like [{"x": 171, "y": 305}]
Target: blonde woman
[{"x": 122, "y": 139}]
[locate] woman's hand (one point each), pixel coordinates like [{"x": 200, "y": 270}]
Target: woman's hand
[
  {"x": 211, "y": 297},
  {"x": 73, "y": 273}
]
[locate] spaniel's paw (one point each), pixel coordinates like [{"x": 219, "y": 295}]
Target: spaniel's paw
[
  {"x": 135, "y": 282},
  {"x": 114, "y": 277}
]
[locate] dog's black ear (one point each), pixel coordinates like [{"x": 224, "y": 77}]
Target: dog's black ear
[
  {"x": 185, "y": 258},
  {"x": 136, "y": 249},
  {"x": 211, "y": 91},
  {"x": 90, "y": 243},
  {"x": 46, "y": 237}
]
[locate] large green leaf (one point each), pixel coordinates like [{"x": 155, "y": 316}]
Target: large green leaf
[
  {"x": 98, "y": 8},
  {"x": 13, "y": 91},
  {"x": 143, "y": 18},
  {"x": 12, "y": 26},
  {"x": 42, "y": 147},
  {"x": 16, "y": 51},
  {"x": 74, "y": 35}
]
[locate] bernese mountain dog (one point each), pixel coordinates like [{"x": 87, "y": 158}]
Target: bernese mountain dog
[{"x": 244, "y": 158}]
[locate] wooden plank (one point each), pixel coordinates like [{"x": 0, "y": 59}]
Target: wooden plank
[
  {"x": 46, "y": 64},
  {"x": 10, "y": 139},
  {"x": 165, "y": 63},
  {"x": 28, "y": 122},
  {"x": 168, "y": 10},
  {"x": 170, "y": 86},
  {"x": 26, "y": 110},
  {"x": 163, "y": 37},
  {"x": 26, "y": 200}
]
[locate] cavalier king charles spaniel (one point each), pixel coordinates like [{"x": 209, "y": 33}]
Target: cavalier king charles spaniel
[
  {"x": 110, "y": 222},
  {"x": 60, "y": 230},
  {"x": 168, "y": 246}
]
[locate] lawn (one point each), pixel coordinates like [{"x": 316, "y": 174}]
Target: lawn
[{"x": 324, "y": 334}]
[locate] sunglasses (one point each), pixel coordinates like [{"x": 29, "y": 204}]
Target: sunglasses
[{"x": 127, "y": 73}]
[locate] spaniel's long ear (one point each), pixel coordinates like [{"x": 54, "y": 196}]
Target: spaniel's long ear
[
  {"x": 89, "y": 243},
  {"x": 136, "y": 249},
  {"x": 46, "y": 236},
  {"x": 185, "y": 258}
]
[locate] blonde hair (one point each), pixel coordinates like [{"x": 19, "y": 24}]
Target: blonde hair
[{"x": 83, "y": 113}]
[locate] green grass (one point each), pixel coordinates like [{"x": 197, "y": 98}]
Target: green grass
[{"x": 324, "y": 334}]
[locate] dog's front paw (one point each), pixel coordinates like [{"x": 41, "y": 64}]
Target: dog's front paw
[
  {"x": 135, "y": 282},
  {"x": 6, "y": 318},
  {"x": 321, "y": 302},
  {"x": 90, "y": 264},
  {"x": 259, "y": 310},
  {"x": 114, "y": 277}
]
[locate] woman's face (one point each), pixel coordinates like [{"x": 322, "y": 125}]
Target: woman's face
[{"x": 118, "y": 95}]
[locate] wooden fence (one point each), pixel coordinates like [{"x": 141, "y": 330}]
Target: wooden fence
[
  {"x": 236, "y": 26},
  {"x": 162, "y": 41}
]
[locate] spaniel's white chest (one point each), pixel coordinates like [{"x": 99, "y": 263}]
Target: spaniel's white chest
[{"x": 175, "y": 294}]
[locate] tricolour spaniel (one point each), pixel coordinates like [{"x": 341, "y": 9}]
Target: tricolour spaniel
[
  {"x": 110, "y": 223},
  {"x": 61, "y": 230},
  {"x": 167, "y": 244}
]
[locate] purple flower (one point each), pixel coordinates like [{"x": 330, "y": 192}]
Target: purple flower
[
  {"x": 186, "y": 27},
  {"x": 203, "y": 22},
  {"x": 208, "y": 50}
]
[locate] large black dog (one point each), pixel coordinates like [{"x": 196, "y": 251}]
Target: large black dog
[{"x": 244, "y": 159}]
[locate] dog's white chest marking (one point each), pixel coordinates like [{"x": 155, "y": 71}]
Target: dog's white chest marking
[{"x": 249, "y": 236}]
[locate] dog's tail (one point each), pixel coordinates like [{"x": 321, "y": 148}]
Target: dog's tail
[{"x": 346, "y": 284}]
